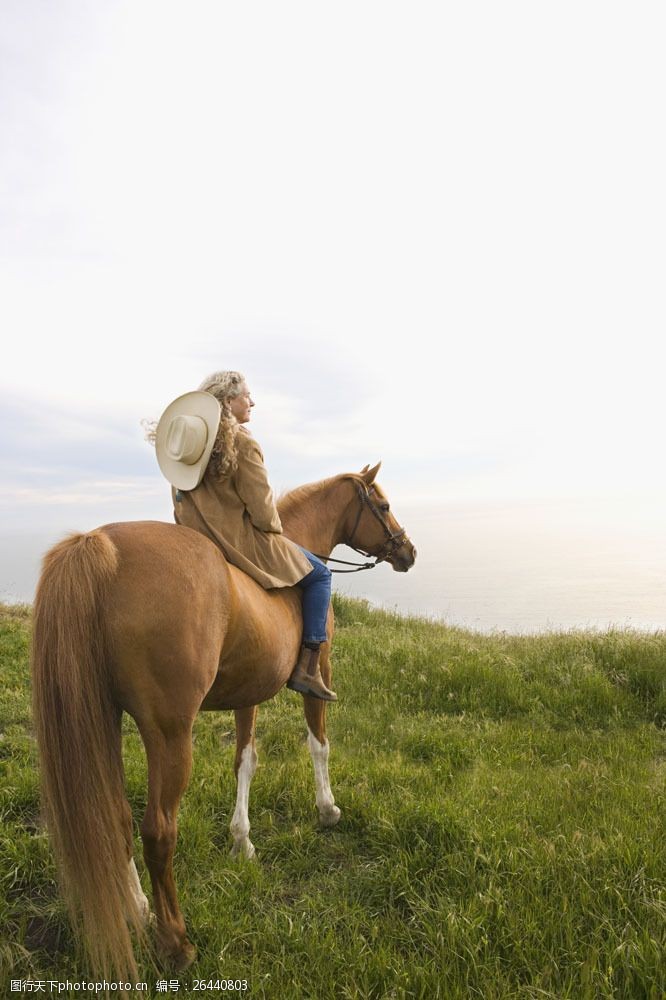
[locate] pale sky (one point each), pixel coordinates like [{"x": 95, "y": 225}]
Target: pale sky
[{"x": 428, "y": 233}]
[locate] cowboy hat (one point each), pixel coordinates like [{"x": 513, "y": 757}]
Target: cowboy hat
[{"x": 185, "y": 437}]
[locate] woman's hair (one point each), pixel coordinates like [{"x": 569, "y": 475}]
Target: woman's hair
[{"x": 225, "y": 386}]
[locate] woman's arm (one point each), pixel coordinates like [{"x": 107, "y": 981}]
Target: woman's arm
[{"x": 253, "y": 487}]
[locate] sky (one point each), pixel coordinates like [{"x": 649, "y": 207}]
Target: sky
[{"x": 429, "y": 234}]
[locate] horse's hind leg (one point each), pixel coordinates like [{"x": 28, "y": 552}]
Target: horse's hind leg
[
  {"x": 169, "y": 752},
  {"x": 315, "y": 716},
  {"x": 245, "y": 765},
  {"x": 142, "y": 904}
]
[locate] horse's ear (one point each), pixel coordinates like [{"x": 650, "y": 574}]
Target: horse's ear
[
  {"x": 364, "y": 469},
  {"x": 369, "y": 474}
]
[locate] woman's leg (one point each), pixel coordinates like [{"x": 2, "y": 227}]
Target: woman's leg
[{"x": 316, "y": 587}]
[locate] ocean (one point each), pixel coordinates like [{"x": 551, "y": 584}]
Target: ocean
[
  {"x": 528, "y": 567},
  {"x": 514, "y": 567}
]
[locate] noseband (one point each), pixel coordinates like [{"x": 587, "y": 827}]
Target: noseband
[{"x": 394, "y": 539}]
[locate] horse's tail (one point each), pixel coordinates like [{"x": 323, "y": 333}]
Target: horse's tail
[{"x": 79, "y": 740}]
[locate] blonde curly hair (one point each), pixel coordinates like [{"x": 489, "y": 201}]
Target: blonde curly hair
[{"x": 225, "y": 386}]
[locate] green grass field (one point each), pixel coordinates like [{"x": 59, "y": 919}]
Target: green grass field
[{"x": 502, "y": 830}]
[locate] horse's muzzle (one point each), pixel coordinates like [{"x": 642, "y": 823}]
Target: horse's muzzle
[{"x": 404, "y": 558}]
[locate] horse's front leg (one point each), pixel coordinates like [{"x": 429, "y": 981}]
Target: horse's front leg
[
  {"x": 245, "y": 765},
  {"x": 315, "y": 716}
]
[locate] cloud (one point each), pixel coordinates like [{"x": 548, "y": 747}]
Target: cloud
[
  {"x": 83, "y": 493},
  {"x": 64, "y": 441},
  {"x": 446, "y": 257}
]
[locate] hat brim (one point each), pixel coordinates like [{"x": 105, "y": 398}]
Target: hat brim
[{"x": 191, "y": 404}]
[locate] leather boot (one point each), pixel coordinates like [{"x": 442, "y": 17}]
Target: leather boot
[{"x": 306, "y": 677}]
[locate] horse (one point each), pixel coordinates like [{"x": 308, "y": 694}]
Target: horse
[{"x": 149, "y": 618}]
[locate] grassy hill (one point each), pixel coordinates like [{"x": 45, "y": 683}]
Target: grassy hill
[{"x": 502, "y": 832}]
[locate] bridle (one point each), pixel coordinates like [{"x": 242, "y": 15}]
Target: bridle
[{"x": 394, "y": 539}]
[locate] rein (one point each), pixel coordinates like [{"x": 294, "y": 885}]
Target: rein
[{"x": 393, "y": 540}]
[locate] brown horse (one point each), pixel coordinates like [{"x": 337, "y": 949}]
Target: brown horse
[{"x": 149, "y": 618}]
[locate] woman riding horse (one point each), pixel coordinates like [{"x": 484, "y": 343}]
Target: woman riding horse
[
  {"x": 220, "y": 488},
  {"x": 151, "y": 620}
]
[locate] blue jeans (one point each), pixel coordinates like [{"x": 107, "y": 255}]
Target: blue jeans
[{"x": 316, "y": 596}]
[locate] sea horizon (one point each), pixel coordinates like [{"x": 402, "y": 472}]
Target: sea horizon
[{"x": 517, "y": 567}]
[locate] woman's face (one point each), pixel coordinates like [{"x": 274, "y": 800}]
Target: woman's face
[{"x": 241, "y": 405}]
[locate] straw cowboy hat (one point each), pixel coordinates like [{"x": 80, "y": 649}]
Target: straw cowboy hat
[{"x": 185, "y": 437}]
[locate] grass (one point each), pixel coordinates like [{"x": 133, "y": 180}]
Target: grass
[{"x": 502, "y": 832}]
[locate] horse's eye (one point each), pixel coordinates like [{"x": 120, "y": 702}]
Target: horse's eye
[{"x": 384, "y": 508}]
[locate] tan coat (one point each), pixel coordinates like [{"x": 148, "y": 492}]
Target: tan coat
[{"x": 238, "y": 513}]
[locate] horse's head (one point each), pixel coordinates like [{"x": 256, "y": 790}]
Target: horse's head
[{"x": 371, "y": 528}]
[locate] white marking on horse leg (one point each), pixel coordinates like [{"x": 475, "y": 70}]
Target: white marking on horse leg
[
  {"x": 329, "y": 814},
  {"x": 240, "y": 823},
  {"x": 142, "y": 904}
]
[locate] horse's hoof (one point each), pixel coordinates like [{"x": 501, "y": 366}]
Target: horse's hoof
[
  {"x": 243, "y": 849},
  {"x": 184, "y": 958},
  {"x": 175, "y": 955},
  {"x": 329, "y": 816}
]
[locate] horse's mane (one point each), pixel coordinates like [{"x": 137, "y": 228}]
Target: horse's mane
[{"x": 290, "y": 500}]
